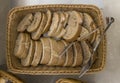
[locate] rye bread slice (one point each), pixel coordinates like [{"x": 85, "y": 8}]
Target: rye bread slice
[
  {"x": 26, "y": 46},
  {"x": 54, "y": 24},
  {"x": 66, "y": 19},
  {"x": 54, "y": 52},
  {"x": 35, "y": 23},
  {"x": 78, "y": 57},
  {"x": 19, "y": 46},
  {"x": 97, "y": 36},
  {"x": 37, "y": 54},
  {"x": 60, "y": 24},
  {"x": 25, "y": 22},
  {"x": 86, "y": 52},
  {"x": 94, "y": 35},
  {"x": 48, "y": 23},
  {"x": 87, "y": 21},
  {"x": 46, "y": 51},
  {"x": 36, "y": 35},
  {"x": 61, "y": 59},
  {"x": 27, "y": 61},
  {"x": 89, "y": 24},
  {"x": 81, "y": 18},
  {"x": 63, "y": 30},
  {"x": 83, "y": 33},
  {"x": 22, "y": 45},
  {"x": 73, "y": 28},
  {"x": 69, "y": 55}
]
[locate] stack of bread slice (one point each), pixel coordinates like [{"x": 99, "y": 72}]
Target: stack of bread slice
[
  {"x": 44, "y": 35},
  {"x": 47, "y": 51}
]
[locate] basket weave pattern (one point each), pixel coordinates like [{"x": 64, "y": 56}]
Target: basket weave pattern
[{"x": 9, "y": 77}]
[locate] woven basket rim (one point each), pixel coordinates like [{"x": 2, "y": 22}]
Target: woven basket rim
[
  {"x": 15, "y": 70},
  {"x": 9, "y": 77}
]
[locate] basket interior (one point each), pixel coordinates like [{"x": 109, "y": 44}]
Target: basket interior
[{"x": 18, "y": 14}]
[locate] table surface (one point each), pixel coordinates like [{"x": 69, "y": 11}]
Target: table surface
[{"x": 111, "y": 72}]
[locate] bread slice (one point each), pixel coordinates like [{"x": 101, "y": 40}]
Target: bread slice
[
  {"x": 54, "y": 52},
  {"x": 83, "y": 33},
  {"x": 63, "y": 30},
  {"x": 69, "y": 55},
  {"x": 86, "y": 52},
  {"x": 87, "y": 21},
  {"x": 61, "y": 59},
  {"x": 93, "y": 36},
  {"x": 36, "y": 35},
  {"x": 66, "y": 19},
  {"x": 97, "y": 36},
  {"x": 19, "y": 46},
  {"x": 26, "y": 46},
  {"x": 48, "y": 23},
  {"x": 60, "y": 24},
  {"x": 54, "y": 24},
  {"x": 27, "y": 61},
  {"x": 90, "y": 25},
  {"x": 73, "y": 28},
  {"x": 24, "y": 23},
  {"x": 35, "y": 23},
  {"x": 81, "y": 18},
  {"x": 46, "y": 51},
  {"x": 78, "y": 57},
  {"x": 37, "y": 54}
]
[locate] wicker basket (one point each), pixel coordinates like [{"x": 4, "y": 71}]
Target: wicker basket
[
  {"x": 15, "y": 16},
  {"x": 9, "y": 77},
  {"x": 69, "y": 80}
]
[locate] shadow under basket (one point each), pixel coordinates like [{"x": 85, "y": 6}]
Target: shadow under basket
[{"x": 14, "y": 18}]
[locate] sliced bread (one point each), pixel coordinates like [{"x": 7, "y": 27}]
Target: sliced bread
[
  {"x": 93, "y": 36},
  {"x": 46, "y": 51},
  {"x": 69, "y": 55},
  {"x": 26, "y": 46},
  {"x": 36, "y": 35},
  {"x": 54, "y": 24},
  {"x": 83, "y": 33},
  {"x": 61, "y": 59},
  {"x": 97, "y": 36},
  {"x": 73, "y": 28},
  {"x": 66, "y": 19},
  {"x": 78, "y": 56},
  {"x": 54, "y": 52},
  {"x": 86, "y": 52},
  {"x": 49, "y": 20},
  {"x": 60, "y": 25},
  {"x": 25, "y": 22},
  {"x": 37, "y": 54},
  {"x": 35, "y": 23},
  {"x": 87, "y": 21},
  {"x": 19, "y": 46},
  {"x": 27, "y": 61},
  {"x": 89, "y": 24},
  {"x": 81, "y": 18}
]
